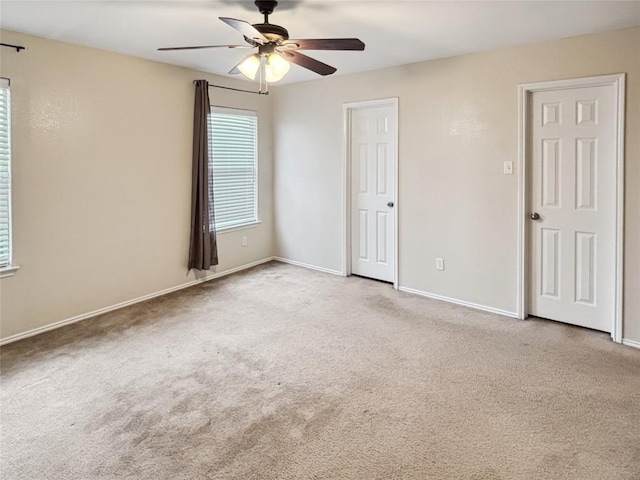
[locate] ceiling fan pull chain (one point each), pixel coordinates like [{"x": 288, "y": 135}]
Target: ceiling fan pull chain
[{"x": 263, "y": 82}]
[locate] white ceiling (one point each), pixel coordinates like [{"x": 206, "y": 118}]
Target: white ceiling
[{"x": 395, "y": 32}]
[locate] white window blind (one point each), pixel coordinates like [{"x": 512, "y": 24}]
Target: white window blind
[
  {"x": 233, "y": 138},
  {"x": 5, "y": 174}
]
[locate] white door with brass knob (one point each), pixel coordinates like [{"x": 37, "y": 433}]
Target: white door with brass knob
[
  {"x": 373, "y": 137},
  {"x": 573, "y": 206}
]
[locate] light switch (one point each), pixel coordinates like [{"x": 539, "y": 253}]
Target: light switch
[{"x": 508, "y": 168}]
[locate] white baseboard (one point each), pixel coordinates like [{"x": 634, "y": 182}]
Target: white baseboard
[
  {"x": 484, "y": 308},
  {"x": 630, "y": 343},
  {"x": 409, "y": 290},
  {"x": 306, "y": 265},
  {"x": 111, "y": 308}
]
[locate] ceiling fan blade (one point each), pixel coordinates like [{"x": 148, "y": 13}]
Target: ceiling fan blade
[
  {"x": 204, "y": 46},
  {"x": 324, "y": 44},
  {"x": 309, "y": 63},
  {"x": 246, "y": 29}
]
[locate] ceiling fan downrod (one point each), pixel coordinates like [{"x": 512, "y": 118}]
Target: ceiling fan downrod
[{"x": 266, "y": 7}]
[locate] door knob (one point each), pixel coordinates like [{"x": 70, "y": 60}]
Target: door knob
[
  {"x": 390, "y": 204},
  {"x": 535, "y": 216}
]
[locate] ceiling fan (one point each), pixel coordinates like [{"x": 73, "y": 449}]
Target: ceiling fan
[{"x": 275, "y": 49}]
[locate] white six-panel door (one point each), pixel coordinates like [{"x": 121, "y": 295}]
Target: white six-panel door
[
  {"x": 373, "y": 135},
  {"x": 572, "y": 207}
]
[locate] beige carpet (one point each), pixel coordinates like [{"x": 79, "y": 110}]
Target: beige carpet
[{"x": 286, "y": 373}]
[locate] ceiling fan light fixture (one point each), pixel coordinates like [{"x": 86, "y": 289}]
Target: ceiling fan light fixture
[
  {"x": 276, "y": 68},
  {"x": 250, "y": 66}
]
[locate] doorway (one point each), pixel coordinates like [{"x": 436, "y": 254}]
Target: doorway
[
  {"x": 371, "y": 189},
  {"x": 571, "y": 202}
]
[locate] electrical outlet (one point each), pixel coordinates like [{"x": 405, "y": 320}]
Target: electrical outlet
[
  {"x": 244, "y": 241},
  {"x": 439, "y": 263}
]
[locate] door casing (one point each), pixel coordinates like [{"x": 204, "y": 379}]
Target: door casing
[
  {"x": 617, "y": 81},
  {"x": 347, "y": 108}
]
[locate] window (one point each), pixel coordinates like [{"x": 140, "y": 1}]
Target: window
[
  {"x": 5, "y": 175},
  {"x": 233, "y": 165}
]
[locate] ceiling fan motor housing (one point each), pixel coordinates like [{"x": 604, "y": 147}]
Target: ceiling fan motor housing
[{"x": 273, "y": 32}]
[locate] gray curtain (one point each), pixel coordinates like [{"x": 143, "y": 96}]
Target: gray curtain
[{"x": 203, "y": 248}]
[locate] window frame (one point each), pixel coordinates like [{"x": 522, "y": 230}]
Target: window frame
[
  {"x": 256, "y": 221},
  {"x": 8, "y": 269}
]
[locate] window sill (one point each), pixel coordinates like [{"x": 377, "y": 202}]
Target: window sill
[
  {"x": 244, "y": 226},
  {"x": 8, "y": 271}
]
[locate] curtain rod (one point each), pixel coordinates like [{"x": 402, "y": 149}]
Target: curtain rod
[
  {"x": 17, "y": 47},
  {"x": 259, "y": 92}
]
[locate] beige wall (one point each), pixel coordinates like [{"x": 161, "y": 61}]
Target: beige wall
[
  {"x": 102, "y": 180},
  {"x": 457, "y": 124}
]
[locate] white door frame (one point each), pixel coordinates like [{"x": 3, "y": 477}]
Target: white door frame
[
  {"x": 617, "y": 81},
  {"x": 347, "y": 109}
]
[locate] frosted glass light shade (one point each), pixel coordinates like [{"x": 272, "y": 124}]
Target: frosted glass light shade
[
  {"x": 250, "y": 66},
  {"x": 276, "y": 68}
]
